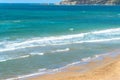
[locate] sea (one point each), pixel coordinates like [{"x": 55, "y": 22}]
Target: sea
[{"x": 40, "y": 39}]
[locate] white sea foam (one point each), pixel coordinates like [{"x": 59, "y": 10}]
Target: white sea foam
[
  {"x": 47, "y": 71},
  {"x": 100, "y": 40},
  {"x": 108, "y": 31},
  {"x": 7, "y": 58},
  {"x": 95, "y": 36},
  {"x": 36, "y": 53},
  {"x": 86, "y": 59},
  {"x": 13, "y": 58},
  {"x": 25, "y": 76},
  {"x": 61, "y": 50},
  {"x": 41, "y": 70}
]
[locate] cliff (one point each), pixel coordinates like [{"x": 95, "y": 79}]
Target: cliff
[{"x": 105, "y": 2}]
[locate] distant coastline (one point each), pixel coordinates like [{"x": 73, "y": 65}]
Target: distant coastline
[
  {"x": 90, "y": 2},
  {"x": 62, "y": 3}
]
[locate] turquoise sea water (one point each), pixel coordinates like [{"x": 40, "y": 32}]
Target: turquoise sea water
[{"x": 36, "y": 39}]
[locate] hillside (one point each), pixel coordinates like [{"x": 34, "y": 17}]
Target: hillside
[{"x": 106, "y": 2}]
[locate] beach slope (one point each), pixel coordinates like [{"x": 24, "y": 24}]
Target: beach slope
[{"x": 110, "y": 70}]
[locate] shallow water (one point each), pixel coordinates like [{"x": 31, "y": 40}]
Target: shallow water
[{"x": 36, "y": 38}]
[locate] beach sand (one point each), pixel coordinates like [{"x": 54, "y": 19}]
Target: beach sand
[{"x": 106, "y": 69}]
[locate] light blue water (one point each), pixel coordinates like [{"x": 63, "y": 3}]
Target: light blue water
[{"x": 34, "y": 37}]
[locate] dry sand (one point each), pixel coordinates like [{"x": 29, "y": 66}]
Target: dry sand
[{"x": 107, "y": 69}]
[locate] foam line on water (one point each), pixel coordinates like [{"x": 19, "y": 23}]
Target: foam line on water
[
  {"x": 10, "y": 58},
  {"x": 61, "y": 50},
  {"x": 48, "y": 71},
  {"x": 36, "y": 53},
  {"x": 95, "y": 36},
  {"x": 20, "y": 57},
  {"x": 7, "y": 58}
]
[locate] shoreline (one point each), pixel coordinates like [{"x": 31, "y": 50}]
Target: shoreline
[
  {"x": 106, "y": 69},
  {"x": 84, "y": 65}
]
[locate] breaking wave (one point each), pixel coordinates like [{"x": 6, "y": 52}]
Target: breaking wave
[
  {"x": 95, "y": 36},
  {"x": 61, "y": 50},
  {"x": 48, "y": 71},
  {"x": 10, "y": 58}
]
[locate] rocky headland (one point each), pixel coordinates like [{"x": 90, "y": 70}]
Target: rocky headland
[{"x": 92, "y": 2}]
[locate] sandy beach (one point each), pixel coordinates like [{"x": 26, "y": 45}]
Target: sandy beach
[{"x": 107, "y": 69}]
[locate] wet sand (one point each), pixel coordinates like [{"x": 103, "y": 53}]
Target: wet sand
[{"x": 106, "y": 69}]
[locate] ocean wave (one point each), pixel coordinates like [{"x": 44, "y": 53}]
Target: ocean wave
[
  {"x": 13, "y": 58},
  {"x": 61, "y": 50},
  {"x": 48, "y": 71},
  {"x": 4, "y": 58},
  {"x": 42, "y": 71},
  {"x": 95, "y": 36},
  {"x": 36, "y": 53},
  {"x": 7, "y": 58}
]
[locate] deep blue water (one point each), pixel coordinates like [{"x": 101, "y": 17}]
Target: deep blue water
[{"x": 36, "y": 37}]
